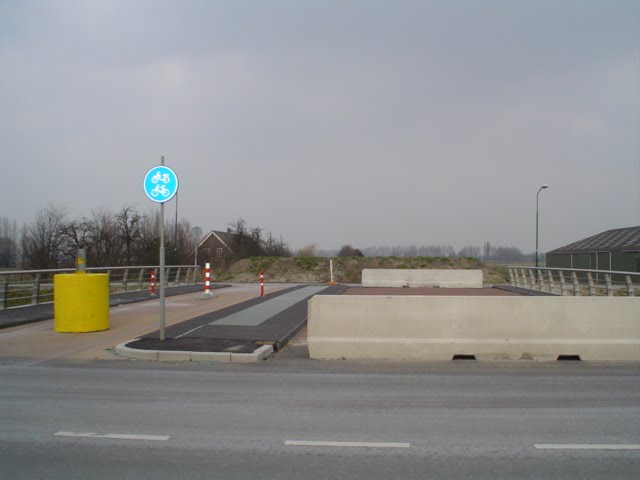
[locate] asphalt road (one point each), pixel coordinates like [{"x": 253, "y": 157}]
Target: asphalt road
[{"x": 436, "y": 421}]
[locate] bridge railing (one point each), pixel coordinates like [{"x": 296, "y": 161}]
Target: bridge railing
[
  {"x": 32, "y": 287},
  {"x": 574, "y": 281}
]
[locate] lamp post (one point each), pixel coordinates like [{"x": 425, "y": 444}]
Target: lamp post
[
  {"x": 537, "y": 215},
  {"x": 196, "y": 232},
  {"x": 175, "y": 235}
]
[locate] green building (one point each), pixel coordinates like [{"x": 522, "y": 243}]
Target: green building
[{"x": 617, "y": 250}]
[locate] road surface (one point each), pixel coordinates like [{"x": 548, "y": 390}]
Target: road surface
[{"x": 291, "y": 417}]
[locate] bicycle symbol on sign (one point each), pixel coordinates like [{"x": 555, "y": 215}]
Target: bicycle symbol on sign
[
  {"x": 160, "y": 177},
  {"x": 160, "y": 184},
  {"x": 160, "y": 190}
]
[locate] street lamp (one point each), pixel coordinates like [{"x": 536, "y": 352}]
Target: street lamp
[
  {"x": 196, "y": 232},
  {"x": 537, "y": 199}
]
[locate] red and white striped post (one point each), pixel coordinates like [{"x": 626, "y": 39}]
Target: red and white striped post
[
  {"x": 207, "y": 279},
  {"x": 262, "y": 284},
  {"x": 152, "y": 292}
]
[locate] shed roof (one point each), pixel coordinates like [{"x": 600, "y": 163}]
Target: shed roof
[{"x": 617, "y": 240}]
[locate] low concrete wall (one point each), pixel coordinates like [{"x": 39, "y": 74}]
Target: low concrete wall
[
  {"x": 380, "y": 277},
  {"x": 437, "y": 328}
]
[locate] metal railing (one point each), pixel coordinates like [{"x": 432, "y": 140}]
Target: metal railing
[
  {"x": 32, "y": 287},
  {"x": 574, "y": 281}
]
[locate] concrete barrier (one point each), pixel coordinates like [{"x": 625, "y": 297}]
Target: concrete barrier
[
  {"x": 491, "y": 328},
  {"x": 380, "y": 277}
]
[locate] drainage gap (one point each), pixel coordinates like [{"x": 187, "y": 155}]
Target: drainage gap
[
  {"x": 464, "y": 357},
  {"x": 571, "y": 358}
]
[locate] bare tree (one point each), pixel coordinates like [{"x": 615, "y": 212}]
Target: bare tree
[
  {"x": 275, "y": 247},
  {"x": 76, "y": 234},
  {"x": 180, "y": 253},
  {"x": 128, "y": 224},
  {"x": 43, "y": 238},
  {"x": 307, "y": 251},
  {"x": 146, "y": 249},
  {"x": 349, "y": 251},
  {"x": 106, "y": 247},
  {"x": 470, "y": 252},
  {"x": 8, "y": 242},
  {"x": 245, "y": 240}
]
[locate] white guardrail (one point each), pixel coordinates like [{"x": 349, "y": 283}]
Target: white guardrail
[
  {"x": 32, "y": 287},
  {"x": 575, "y": 282}
]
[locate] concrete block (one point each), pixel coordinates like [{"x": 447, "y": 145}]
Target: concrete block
[
  {"x": 173, "y": 356},
  {"x": 257, "y": 356},
  {"x": 498, "y": 328},
  {"x": 125, "y": 351},
  {"x": 210, "y": 356},
  {"x": 381, "y": 277}
]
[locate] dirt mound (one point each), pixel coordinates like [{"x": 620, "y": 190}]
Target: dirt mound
[{"x": 346, "y": 269}]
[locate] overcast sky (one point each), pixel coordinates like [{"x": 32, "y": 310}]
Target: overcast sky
[{"x": 330, "y": 122}]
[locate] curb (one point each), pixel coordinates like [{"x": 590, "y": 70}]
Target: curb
[{"x": 185, "y": 356}]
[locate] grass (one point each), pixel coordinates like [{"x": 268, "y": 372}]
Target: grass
[
  {"x": 261, "y": 264},
  {"x": 309, "y": 263},
  {"x": 349, "y": 269}
]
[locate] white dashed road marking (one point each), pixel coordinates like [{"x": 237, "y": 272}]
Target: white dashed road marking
[
  {"x": 585, "y": 446},
  {"x": 305, "y": 443},
  {"x": 121, "y": 436}
]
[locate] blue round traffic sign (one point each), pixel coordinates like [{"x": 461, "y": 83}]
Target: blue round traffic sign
[{"x": 160, "y": 184}]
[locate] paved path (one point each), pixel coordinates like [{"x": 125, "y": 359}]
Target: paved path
[
  {"x": 256, "y": 315},
  {"x": 36, "y": 313},
  {"x": 271, "y": 320},
  {"x": 38, "y": 343}
]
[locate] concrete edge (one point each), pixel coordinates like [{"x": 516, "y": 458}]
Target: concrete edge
[
  {"x": 281, "y": 343},
  {"x": 224, "y": 357},
  {"x": 257, "y": 356},
  {"x": 136, "y": 353}
]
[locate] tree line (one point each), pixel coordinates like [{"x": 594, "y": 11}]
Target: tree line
[
  {"x": 487, "y": 252},
  {"x": 126, "y": 237},
  {"x": 131, "y": 237},
  {"x": 255, "y": 242}
]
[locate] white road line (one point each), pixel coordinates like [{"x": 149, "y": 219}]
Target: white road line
[
  {"x": 123, "y": 436},
  {"x": 192, "y": 330},
  {"x": 305, "y": 443},
  {"x": 585, "y": 446}
]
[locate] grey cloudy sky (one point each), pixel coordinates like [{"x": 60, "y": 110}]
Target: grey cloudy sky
[{"x": 332, "y": 122}]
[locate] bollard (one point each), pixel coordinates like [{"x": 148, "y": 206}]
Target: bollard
[
  {"x": 207, "y": 294},
  {"x": 331, "y": 281},
  {"x": 262, "y": 284},
  {"x": 152, "y": 292},
  {"x": 81, "y": 300},
  {"x": 81, "y": 261},
  {"x": 207, "y": 279}
]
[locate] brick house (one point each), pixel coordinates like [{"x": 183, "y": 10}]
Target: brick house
[{"x": 215, "y": 247}]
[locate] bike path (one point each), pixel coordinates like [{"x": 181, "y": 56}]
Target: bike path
[
  {"x": 242, "y": 328},
  {"x": 35, "y": 313}
]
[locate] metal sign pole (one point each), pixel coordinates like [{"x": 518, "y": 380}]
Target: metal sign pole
[
  {"x": 161, "y": 185},
  {"x": 162, "y": 269}
]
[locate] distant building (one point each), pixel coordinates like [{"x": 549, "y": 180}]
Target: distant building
[
  {"x": 215, "y": 247},
  {"x": 617, "y": 250}
]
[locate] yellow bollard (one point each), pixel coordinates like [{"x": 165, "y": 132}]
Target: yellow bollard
[{"x": 81, "y": 302}]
